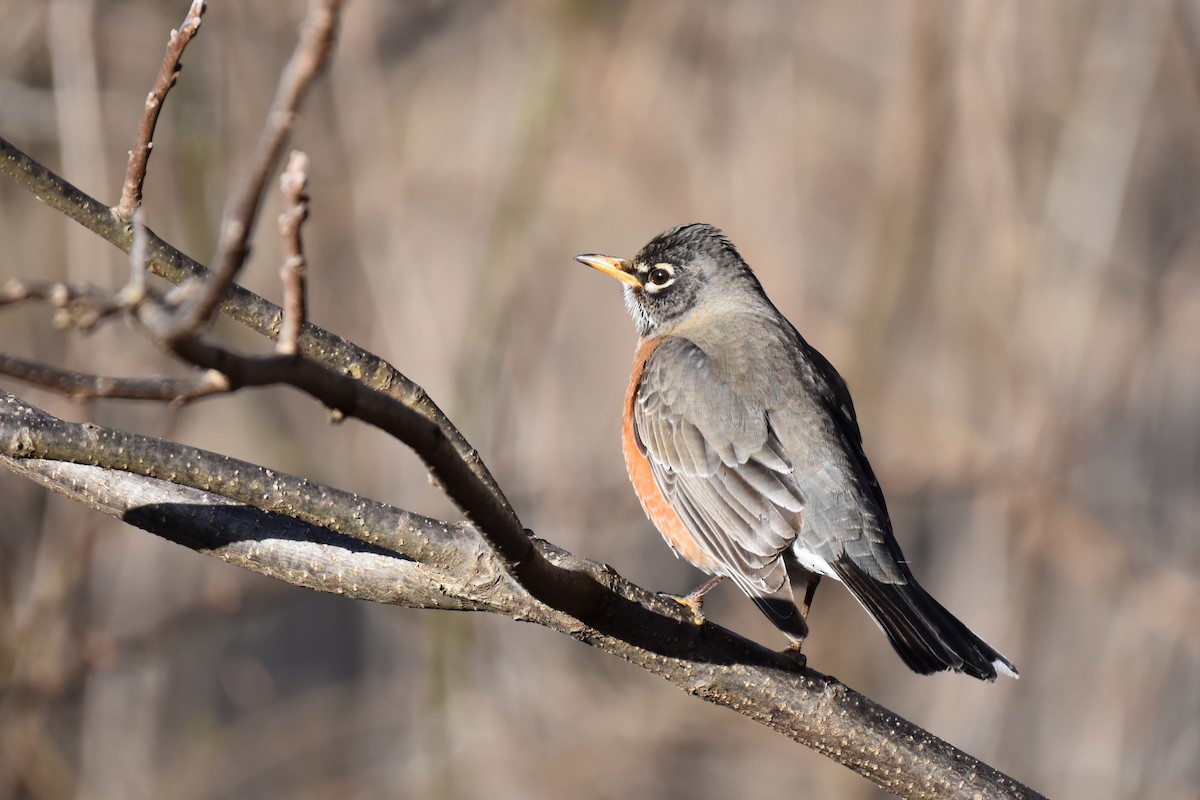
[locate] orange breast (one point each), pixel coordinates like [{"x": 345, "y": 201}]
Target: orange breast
[{"x": 653, "y": 502}]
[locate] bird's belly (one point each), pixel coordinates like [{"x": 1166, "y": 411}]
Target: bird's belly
[
  {"x": 654, "y": 503},
  {"x": 659, "y": 510}
]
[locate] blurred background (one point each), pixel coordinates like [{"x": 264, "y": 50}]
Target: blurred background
[{"x": 986, "y": 215}]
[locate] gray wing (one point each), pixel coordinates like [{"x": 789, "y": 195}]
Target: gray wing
[
  {"x": 847, "y": 520},
  {"x": 720, "y": 464},
  {"x": 847, "y": 524}
]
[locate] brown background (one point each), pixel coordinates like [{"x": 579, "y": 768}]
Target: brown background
[{"x": 985, "y": 214}]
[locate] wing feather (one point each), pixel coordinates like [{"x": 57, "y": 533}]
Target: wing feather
[{"x": 726, "y": 474}]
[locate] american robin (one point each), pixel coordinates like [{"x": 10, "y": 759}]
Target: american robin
[{"x": 743, "y": 447}]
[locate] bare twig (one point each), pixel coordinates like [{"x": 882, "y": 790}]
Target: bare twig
[
  {"x": 57, "y": 293},
  {"x": 294, "y": 184},
  {"x": 84, "y": 307},
  {"x": 82, "y": 386},
  {"x": 139, "y": 256},
  {"x": 139, "y": 156},
  {"x": 81, "y": 306},
  {"x": 237, "y": 224}
]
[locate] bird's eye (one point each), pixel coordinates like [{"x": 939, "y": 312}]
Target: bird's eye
[{"x": 660, "y": 277}]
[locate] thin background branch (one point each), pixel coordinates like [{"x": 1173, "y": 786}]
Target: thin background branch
[
  {"x": 294, "y": 185},
  {"x": 317, "y": 35},
  {"x": 84, "y": 386},
  {"x": 139, "y": 156}
]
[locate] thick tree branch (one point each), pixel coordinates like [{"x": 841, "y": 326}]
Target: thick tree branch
[{"x": 325, "y": 539}]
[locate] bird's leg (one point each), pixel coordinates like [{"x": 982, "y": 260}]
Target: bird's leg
[
  {"x": 694, "y": 600},
  {"x": 809, "y": 590},
  {"x": 696, "y": 596}
]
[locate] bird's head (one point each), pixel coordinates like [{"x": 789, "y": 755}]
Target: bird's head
[{"x": 681, "y": 273}]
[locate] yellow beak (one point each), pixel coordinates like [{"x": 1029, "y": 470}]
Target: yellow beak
[{"x": 613, "y": 267}]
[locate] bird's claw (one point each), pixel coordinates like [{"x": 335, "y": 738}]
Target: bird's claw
[
  {"x": 792, "y": 651},
  {"x": 693, "y": 603}
]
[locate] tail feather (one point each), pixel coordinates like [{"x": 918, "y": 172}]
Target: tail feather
[{"x": 925, "y": 635}]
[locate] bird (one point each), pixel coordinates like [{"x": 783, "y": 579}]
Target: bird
[{"x": 743, "y": 447}]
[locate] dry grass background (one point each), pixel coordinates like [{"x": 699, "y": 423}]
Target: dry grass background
[{"x": 987, "y": 215}]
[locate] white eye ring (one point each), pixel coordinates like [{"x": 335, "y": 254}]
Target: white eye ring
[{"x": 659, "y": 277}]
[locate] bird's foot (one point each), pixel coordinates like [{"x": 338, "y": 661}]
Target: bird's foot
[
  {"x": 694, "y": 600},
  {"x": 792, "y": 651},
  {"x": 694, "y": 605}
]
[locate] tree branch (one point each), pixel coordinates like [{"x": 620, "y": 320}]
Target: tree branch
[
  {"x": 294, "y": 185},
  {"x": 258, "y": 314},
  {"x": 139, "y": 156},
  {"x": 325, "y": 539},
  {"x": 83, "y": 386},
  {"x": 323, "y": 368}
]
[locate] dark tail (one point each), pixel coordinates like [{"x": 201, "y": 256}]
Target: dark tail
[{"x": 927, "y": 636}]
